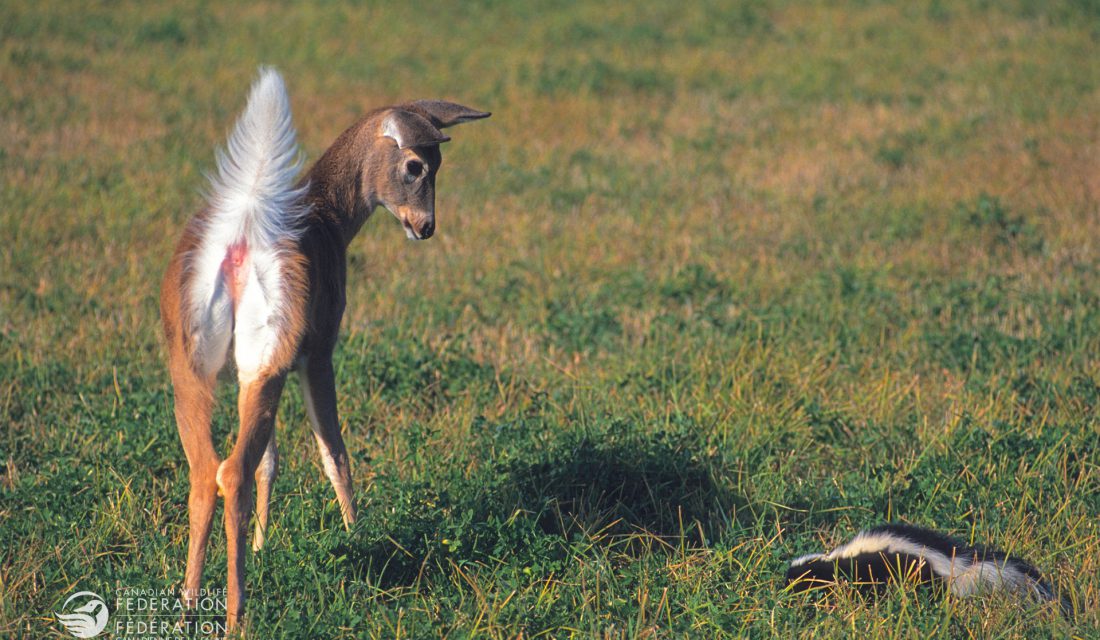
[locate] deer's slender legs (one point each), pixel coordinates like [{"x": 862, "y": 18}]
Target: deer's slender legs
[
  {"x": 319, "y": 390},
  {"x": 257, "y": 403}
]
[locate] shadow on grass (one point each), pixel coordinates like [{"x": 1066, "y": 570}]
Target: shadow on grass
[
  {"x": 651, "y": 487},
  {"x": 620, "y": 492}
]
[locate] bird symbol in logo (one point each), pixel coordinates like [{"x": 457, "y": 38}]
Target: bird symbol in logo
[{"x": 86, "y": 621}]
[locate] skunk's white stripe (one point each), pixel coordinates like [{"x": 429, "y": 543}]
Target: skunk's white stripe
[
  {"x": 884, "y": 542},
  {"x": 809, "y": 557},
  {"x": 254, "y": 208}
]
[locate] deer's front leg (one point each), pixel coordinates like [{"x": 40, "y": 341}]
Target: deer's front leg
[
  {"x": 319, "y": 390},
  {"x": 265, "y": 478}
]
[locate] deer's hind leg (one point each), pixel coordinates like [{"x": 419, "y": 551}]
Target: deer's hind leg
[
  {"x": 264, "y": 349},
  {"x": 194, "y": 405},
  {"x": 197, "y": 349},
  {"x": 257, "y": 403}
]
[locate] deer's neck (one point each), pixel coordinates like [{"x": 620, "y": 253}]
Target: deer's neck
[{"x": 338, "y": 189}]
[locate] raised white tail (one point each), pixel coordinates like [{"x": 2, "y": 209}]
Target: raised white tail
[{"x": 252, "y": 195}]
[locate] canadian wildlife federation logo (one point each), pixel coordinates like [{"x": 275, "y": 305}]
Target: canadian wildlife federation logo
[{"x": 84, "y": 614}]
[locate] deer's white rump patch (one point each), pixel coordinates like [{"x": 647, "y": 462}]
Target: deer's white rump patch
[{"x": 236, "y": 289}]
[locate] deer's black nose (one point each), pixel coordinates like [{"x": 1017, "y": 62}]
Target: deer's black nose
[{"x": 427, "y": 230}]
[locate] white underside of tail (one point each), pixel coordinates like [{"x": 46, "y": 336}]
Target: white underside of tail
[{"x": 236, "y": 293}]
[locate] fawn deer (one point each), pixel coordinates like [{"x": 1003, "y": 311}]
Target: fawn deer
[{"x": 260, "y": 275}]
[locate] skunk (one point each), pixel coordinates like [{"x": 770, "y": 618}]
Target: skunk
[{"x": 903, "y": 553}]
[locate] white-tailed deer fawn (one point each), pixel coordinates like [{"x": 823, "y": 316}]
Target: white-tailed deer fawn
[{"x": 260, "y": 274}]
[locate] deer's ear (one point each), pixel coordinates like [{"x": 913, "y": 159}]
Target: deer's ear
[
  {"x": 445, "y": 114},
  {"x": 410, "y": 129}
]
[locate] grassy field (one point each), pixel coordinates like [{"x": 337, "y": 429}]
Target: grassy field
[{"x": 718, "y": 284}]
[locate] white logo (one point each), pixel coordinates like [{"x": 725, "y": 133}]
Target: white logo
[{"x": 87, "y": 620}]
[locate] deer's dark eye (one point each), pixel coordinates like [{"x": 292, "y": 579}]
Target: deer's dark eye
[{"x": 414, "y": 168}]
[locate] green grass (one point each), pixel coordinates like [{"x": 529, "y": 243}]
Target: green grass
[{"x": 718, "y": 284}]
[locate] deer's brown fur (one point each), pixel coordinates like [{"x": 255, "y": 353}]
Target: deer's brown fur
[{"x": 365, "y": 167}]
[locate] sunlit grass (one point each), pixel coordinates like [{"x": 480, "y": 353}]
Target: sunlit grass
[{"x": 718, "y": 284}]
